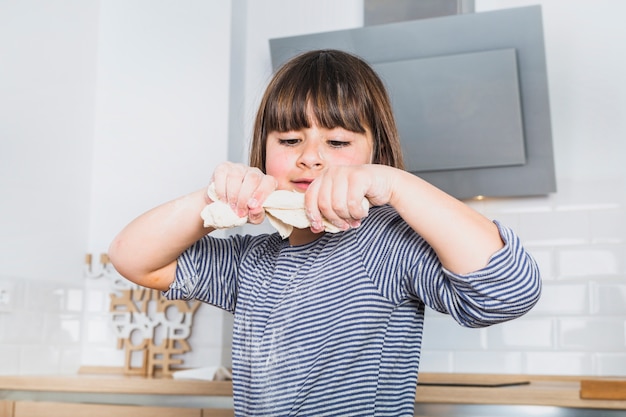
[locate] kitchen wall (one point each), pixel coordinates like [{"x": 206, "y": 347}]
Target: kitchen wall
[
  {"x": 48, "y": 55},
  {"x": 110, "y": 107}
]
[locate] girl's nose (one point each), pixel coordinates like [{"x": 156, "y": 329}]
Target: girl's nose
[{"x": 311, "y": 156}]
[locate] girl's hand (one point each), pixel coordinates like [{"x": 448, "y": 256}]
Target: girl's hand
[
  {"x": 244, "y": 188},
  {"x": 338, "y": 192}
]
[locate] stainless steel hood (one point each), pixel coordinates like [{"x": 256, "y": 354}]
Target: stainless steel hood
[{"x": 377, "y": 12}]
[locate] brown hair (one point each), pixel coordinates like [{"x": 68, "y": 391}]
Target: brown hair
[{"x": 341, "y": 89}]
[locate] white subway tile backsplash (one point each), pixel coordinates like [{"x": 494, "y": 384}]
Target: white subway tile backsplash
[
  {"x": 97, "y": 300},
  {"x": 578, "y": 327},
  {"x": 9, "y": 359},
  {"x": 608, "y": 226},
  {"x": 50, "y": 296},
  {"x": 567, "y": 227},
  {"x": 62, "y": 329},
  {"x": 521, "y": 205},
  {"x": 558, "y": 363},
  {"x": 495, "y": 362},
  {"x": 563, "y": 298},
  {"x": 99, "y": 330},
  {"x": 609, "y": 297},
  {"x": 208, "y": 326},
  {"x": 592, "y": 334},
  {"x": 40, "y": 360},
  {"x": 605, "y": 192},
  {"x": 523, "y": 333},
  {"x": 24, "y": 327},
  {"x": 545, "y": 260},
  {"x": 205, "y": 356},
  {"x": 94, "y": 355},
  {"x": 436, "y": 361},
  {"x": 443, "y": 333},
  {"x": 610, "y": 364},
  {"x": 591, "y": 261},
  {"x": 70, "y": 360},
  {"x": 74, "y": 300}
]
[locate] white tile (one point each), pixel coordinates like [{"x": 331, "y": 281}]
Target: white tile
[
  {"x": 488, "y": 362},
  {"x": 446, "y": 334},
  {"x": 70, "y": 360},
  {"x": 603, "y": 192},
  {"x": 609, "y": 297},
  {"x": 99, "y": 330},
  {"x": 24, "y": 327},
  {"x": 4, "y": 320},
  {"x": 9, "y": 360},
  {"x": 100, "y": 356},
  {"x": 608, "y": 225},
  {"x": 435, "y": 361},
  {"x": 592, "y": 335},
  {"x": 44, "y": 296},
  {"x": 610, "y": 364},
  {"x": 554, "y": 227},
  {"x": 199, "y": 357},
  {"x": 537, "y": 204},
  {"x": 522, "y": 333},
  {"x": 97, "y": 300},
  {"x": 558, "y": 363},
  {"x": 39, "y": 360},
  {"x": 591, "y": 261},
  {"x": 545, "y": 261},
  {"x": 74, "y": 300},
  {"x": 209, "y": 325},
  {"x": 62, "y": 329},
  {"x": 13, "y": 300},
  {"x": 562, "y": 298}
]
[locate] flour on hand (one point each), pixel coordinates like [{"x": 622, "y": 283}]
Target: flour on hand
[
  {"x": 284, "y": 210},
  {"x": 218, "y": 214}
]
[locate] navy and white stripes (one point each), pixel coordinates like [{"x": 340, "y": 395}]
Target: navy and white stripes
[{"x": 334, "y": 327}]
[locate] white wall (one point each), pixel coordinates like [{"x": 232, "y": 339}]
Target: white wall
[
  {"x": 162, "y": 100},
  {"x": 47, "y": 77},
  {"x": 130, "y": 103},
  {"x": 161, "y": 106}
]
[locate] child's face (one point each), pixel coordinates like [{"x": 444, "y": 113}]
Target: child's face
[{"x": 297, "y": 157}]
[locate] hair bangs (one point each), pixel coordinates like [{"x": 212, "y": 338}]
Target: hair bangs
[
  {"x": 318, "y": 93},
  {"x": 286, "y": 108}
]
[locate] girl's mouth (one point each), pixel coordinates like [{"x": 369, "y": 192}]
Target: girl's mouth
[{"x": 302, "y": 184}]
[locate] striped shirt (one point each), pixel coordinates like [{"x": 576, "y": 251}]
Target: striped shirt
[{"x": 334, "y": 327}]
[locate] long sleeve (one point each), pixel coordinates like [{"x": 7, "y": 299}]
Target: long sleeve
[{"x": 506, "y": 288}]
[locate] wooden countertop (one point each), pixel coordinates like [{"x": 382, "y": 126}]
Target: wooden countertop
[
  {"x": 546, "y": 390},
  {"x": 563, "y": 391},
  {"x": 116, "y": 384}
]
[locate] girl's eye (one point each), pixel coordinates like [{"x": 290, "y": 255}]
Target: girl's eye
[
  {"x": 289, "y": 142},
  {"x": 338, "y": 143}
]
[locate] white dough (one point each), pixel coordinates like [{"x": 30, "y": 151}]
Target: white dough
[
  {"x": 284, "y": 210},
  {"x": 219, "y": 215}
]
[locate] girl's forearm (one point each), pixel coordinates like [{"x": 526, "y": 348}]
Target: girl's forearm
[
  {"x": 463, "y": 239},
  {"x": 145, "y": 251}
]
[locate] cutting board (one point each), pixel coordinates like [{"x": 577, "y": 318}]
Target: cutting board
[
  {"x": 602, "y": 389},
  {"x": 474, "y": 380}
]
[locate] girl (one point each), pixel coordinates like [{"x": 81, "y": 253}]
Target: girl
[{"x": 330, "y": 323}]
